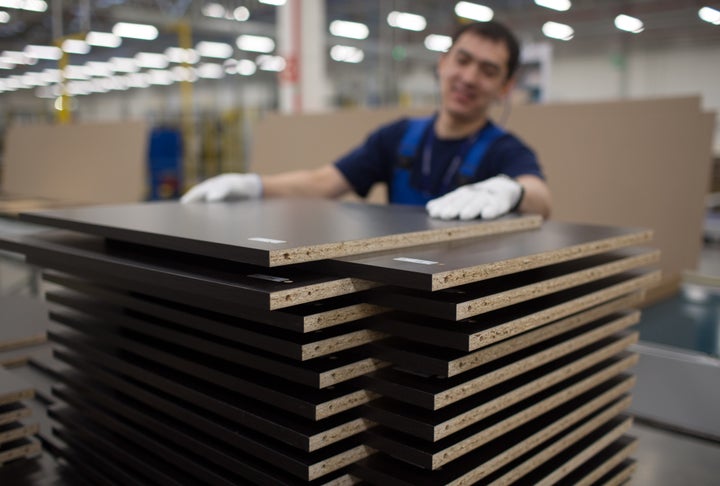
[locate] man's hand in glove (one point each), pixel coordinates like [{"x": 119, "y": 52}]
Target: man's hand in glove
[
  {"x": 224, "y": 187},
  {"x": 488, "y": 199}
]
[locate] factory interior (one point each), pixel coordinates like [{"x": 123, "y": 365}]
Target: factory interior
[{"x": 131, "y": 103}]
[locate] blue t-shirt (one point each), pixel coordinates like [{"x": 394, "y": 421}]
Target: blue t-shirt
[{"x": 376, "y": 159}]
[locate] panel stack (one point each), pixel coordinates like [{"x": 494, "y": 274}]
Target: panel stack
[{"x": 289, "y": 349}]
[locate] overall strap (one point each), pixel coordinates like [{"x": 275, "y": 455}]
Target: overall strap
[
  {"x": 475, "y": 155},
  {"x": 414, "y": 134}
]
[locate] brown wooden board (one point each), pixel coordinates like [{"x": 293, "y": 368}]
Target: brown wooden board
[
  {"x": 308, "y": 317},
  {"x": 263, "y": 417},
  {"x": 144, "y": 269},
  {"x": 12, "y": 412},
  {"x": 236, "y": 339},
  {"x": 18, "y": 448},
  {"x": 434, "y": 393},
  {"x": 489, "y": 295},
  {"x": 13, "y": 388},
  {"x": 434, "y": 455},
  {"x": 603, "y": 449},
  {"x": 21, "y": 356},
  {"x": 474, "y": 333},
  {"x": 24, "y": 321},
  {"x": 226, "y": 452},
  {"x": 297, "y": 399},
  {"x": 445, "y": 362},
  {"x": 272, "y": 232},
  {"x": 571, "y": 422},
  {"x": 451, "y": 264},
  {"x": 17, "y": 430}
]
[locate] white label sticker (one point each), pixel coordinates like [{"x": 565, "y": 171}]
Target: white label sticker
[
  {"x": 271, "y": 278},
  {"x": 415, "y": 260},
  {"x": 267, "y": 240}
]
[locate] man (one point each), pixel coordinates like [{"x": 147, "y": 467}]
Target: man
[{"x": 436, "y": 161}]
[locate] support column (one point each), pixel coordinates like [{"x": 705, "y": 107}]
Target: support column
[{"x": 302, "y": 31}]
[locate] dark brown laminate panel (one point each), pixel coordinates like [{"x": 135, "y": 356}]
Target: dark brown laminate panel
[
  {"x": 451, "y": 264},
  {"x": 272, "y": 232},
  {"x": 139, "y": 268}
]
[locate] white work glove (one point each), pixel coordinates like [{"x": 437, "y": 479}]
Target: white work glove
[
  {"x": 488, "y": 199},
  {"x": 224, "y": 187}
]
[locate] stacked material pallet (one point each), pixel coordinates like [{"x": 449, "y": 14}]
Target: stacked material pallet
[
  {"x": 309, "y": 341},
  {"x": 16, "y": 432}
]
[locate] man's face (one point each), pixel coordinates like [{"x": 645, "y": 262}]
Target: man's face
[{"x": 473, "y": 74}]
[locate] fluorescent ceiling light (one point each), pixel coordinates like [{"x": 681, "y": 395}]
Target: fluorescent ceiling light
[
  {"x": 709, "y": 14},
  {"x": 182, "y": 73},
  {"x": 34, "y": 5},
  {"x": 255, "y": 43},
  {"x": 555, "y": 30},
  {"x": 277, "y": 3},
  {"x": 271, "y": 63},
  {"x": 559, "y": 5},
  {"x": 151, "y": 60},
  {"x": 17, "y": 57},
  {"x": 241, "y": 14},
  {"x": 75, "y": 72},
  {"x": 180, "y": 55},
  {"x": 436, "y": 42},
  {"x": 474, "y": 11},
  {"x": 214, "y": 10},
  {"x": 218, "y": 50},
  {"x": 135, "y": 31},
  {"x": 34, "y": 79},
  {"x": 103, "y": 39},
  {"x": 163, "y": 77},
  {"x": 407, "y": 21},
  {"x": 6, "y": 65},
  {"x": 101, "y": 69},
  {"x": 210, "y": 71},
  {"x": 352, "y": 30},
  {"x": 51, "y": 53},
  {"x": 124, "y": 65},
  {"x": 137, "y": 80},
  {"x": 629, "y": 24},
  {"x": 4, "y": 17},
  {"x": 245, "y": 67},
  {"x": 75, "y": 46},
  {"x": 346, "y": 54}
]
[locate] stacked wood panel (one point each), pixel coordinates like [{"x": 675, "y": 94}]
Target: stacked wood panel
[{"x": 246, "y": 342}]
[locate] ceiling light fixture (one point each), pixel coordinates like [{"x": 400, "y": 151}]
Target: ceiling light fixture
[
  {"x": 439, "y": 43},
  {"x": 135, "y": 31},
  {"x": 151, "y": 60},
  {"x": 103, "y": 39},
  {"x": 351, "y": 30},
  {"x": 559, "y": 5},
  {"x": 255, "y": 43},
  {"x": 75, "y": 46},
  {"x": 407, "y": 21},
  {"x": 709, "y": 14},
  {"x": 277, "y": 3},
  {"x": 51, "y": 53},
  {"x": 629, "y": 24},
  {"x": 219, "y": 50},
  {"x": 474, "y": 11},
  {"x": 271, "y": 63},
  {"x": 559, "y": 31},
  {"x": 346, "y": 54}
]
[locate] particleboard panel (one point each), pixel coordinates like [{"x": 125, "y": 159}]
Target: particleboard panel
[
  {"x": 445, "y": 362},
  {"x": 571, "y": 421},
  {"x": 13, "y": 389},
  {"x": 309, "y": 317},
  {"x": 24, "y": 321},
  {"x": 489, "y": 295},
  {"x": 301, "y": 400},
  {"x": 278, "y": 356},
  {"x": 94, "y": 163},
  {"x": 273, "y": 232},
  {"x": 304, "y": 434},
  {"x": 474, "y": 333},
  {"x": 20, "y": 356},
  {"x": 189, "y": 432},
  {"x": 16, "y": 449},
  {"x": 90, "y": 257},
  {"x": 432, "y": 393},
  {"x": 11, "y": 412},
  {"x": 452, "y": 264}
]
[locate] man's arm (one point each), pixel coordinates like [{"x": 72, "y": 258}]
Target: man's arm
[
  {"x": 326, "y": 181},
  {"x": 536, "y": 198}
]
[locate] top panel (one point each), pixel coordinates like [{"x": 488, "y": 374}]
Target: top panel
[{"x": 273, "y": 232}]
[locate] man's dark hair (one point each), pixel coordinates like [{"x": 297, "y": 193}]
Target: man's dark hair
[{"x": 497, "y": 32}]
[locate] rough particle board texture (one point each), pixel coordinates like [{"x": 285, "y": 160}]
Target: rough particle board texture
[
  {"x": 146, "y": 269},
  {"x": 273, "y": 232},
  {"x": 451, "y": 264}
]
